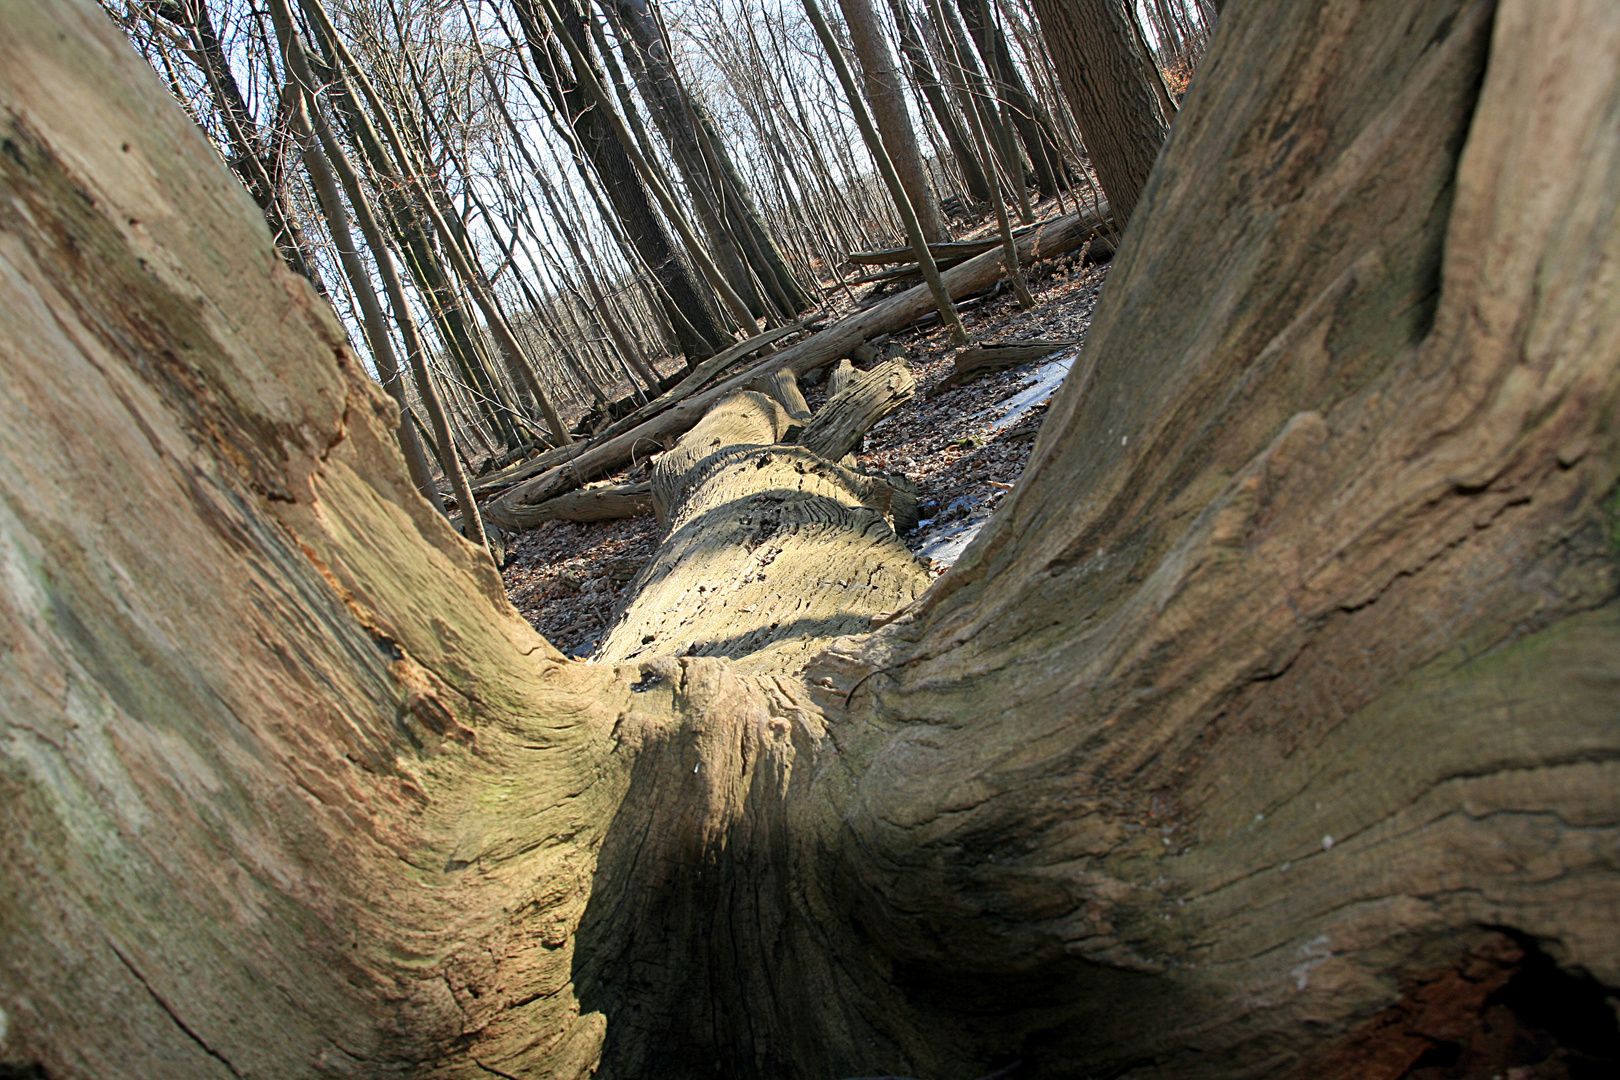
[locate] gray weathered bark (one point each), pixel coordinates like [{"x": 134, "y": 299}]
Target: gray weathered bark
[{"x": 1112, "y": 86}]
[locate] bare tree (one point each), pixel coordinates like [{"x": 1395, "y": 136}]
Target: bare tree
[{"x": 886, "y": 98}]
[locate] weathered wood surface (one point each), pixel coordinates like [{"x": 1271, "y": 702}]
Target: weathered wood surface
[
  {"x": 837, "y": 428},
  {"x": 838, "y": 379},
  {"x": 771, "y": 551},
  {"x": 783, "y": 385},
  {"x": 979, "y": 360},
  {"x": 1062, "y": 235},
  {"x": 747, "y": 418}
]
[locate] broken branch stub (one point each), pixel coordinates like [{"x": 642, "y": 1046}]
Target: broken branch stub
[
  {"x": 783, "y": 385},
  {"x": 837, "y": 428},
  {"x": 839, "y": 380}
]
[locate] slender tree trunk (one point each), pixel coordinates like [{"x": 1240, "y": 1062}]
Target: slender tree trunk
[
  {"x": 688, "y": 159},
  {"x": 922, "y": 73},
  {"x": 897, "y": 191},
  {"x": 410, "y": 232},
  {"x": 1113, "y": 89},
  {"x": 1269, "y": 729},
  {"x": 1023, "y": 115},
  {"x": 977, "y": 93},
  {"x": 886, "y": 98},
  {"x": 627, "y": 192}
]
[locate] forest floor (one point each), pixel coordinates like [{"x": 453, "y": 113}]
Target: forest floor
[{"x": 965, "y": 449}]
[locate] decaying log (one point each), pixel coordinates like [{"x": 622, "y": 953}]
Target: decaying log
[
  {"x": 516, "y": 474},
  {"x": 693, "y": 382},
  {"x": 784, "y": 387},
  {"x": 837, "y": 428},
  {"x": 748, "y": 418},
  {"x": 838, "y": 380},
  {"x": 590, "y": 504},
  {"x": 954, "y": 251},
  {"x": 899, "y": 273},
  {"x": 957, "y": 250},
  {"x": 987, "y": 359},
  {"x": 772, "y": 551},
  {"x": 1063, "y": 235},
  {"x": 1101, "y": 250}
]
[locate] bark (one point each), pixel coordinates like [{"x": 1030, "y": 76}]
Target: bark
[
  {"x": 922, "y": 73},
  {"x": 1274, "y": 710},
  {"x": 886, "y": 98},
  {"x": 1023, "y": 115},
  {"x": 1113, "y": 87}
]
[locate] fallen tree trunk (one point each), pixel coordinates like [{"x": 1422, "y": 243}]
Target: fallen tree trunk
[
  {"x": 700, "y": 375},
  {"x": 706, "y": 372},
  {"x": 772, "y": 550},
  {"x": 956, "y": 253},
  {"x": 590, "y": 504},
  {"x": 1064, "y": 234},
  {"x": 515, "y": 474},
  {"x": 955, "y": 249}
]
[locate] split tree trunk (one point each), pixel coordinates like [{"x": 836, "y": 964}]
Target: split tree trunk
[{"x": 1289, "y": 668}]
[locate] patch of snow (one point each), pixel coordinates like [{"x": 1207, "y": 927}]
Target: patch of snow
[
  {"x": 1048, "y": 377},
  {"x": 946, "y": 546}
]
